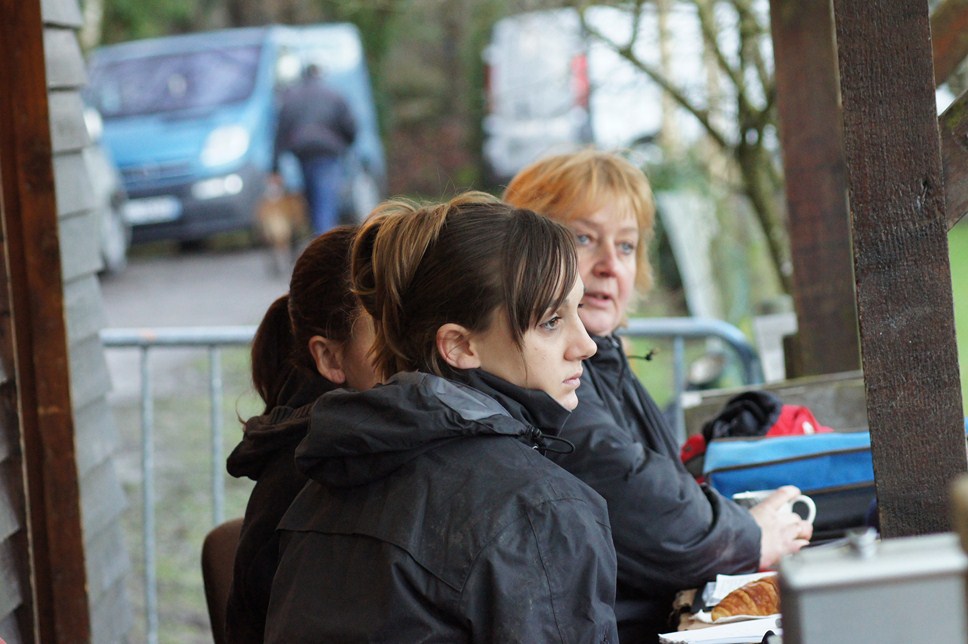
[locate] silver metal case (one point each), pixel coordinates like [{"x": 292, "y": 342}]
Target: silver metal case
[{"x": 902, "y": 591}]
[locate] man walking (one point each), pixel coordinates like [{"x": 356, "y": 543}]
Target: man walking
[{"x": 316, "y": 125}]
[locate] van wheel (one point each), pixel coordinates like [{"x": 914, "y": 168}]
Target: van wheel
[{"x": 192, "y": 245}]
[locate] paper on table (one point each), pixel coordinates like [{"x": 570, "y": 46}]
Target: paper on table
[
  {"x": 750, "y": 631},
  {"x": 706, "y": 617}
]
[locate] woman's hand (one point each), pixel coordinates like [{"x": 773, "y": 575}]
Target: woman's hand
[{"x": 782, "y": 531}]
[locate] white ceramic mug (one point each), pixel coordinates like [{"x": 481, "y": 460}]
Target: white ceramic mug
[{"x": 751, "y": 498}]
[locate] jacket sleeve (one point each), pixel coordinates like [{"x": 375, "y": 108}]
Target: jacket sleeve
[
  {"x": 670, "y": 532},
  {"x": 549, "y": 577},
  {"x": 345, "y": 123}
]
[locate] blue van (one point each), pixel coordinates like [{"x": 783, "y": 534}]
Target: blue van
[{"x": 190, "y": 120}]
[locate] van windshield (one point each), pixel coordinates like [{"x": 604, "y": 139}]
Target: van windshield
[{"x": 172, "y": 82}]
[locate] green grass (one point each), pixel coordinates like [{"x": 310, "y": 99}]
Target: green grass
[
  {"x": 958, "y": 256},
  {"x": 183, "y": 484}
]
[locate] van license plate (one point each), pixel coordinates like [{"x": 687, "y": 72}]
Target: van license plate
[{"x": 152, "y": 210}]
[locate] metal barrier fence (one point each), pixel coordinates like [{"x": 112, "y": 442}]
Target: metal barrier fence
[
  {"x": 681, "y": 329},
  {"x": 214, "y": 339}
]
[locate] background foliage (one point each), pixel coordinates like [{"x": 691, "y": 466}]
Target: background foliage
[{"x": 425, "y": 58}]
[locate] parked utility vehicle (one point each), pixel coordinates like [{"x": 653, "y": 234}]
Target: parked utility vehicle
[
  {"x": 190, "y": 120},
  {"x": 551, "y": 86}
]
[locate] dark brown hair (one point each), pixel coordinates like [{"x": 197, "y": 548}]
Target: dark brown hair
[
  {"x": 319, "y": 302},
  {"x": 416, "y": 268}
]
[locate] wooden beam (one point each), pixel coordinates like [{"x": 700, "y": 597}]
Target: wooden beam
[
  {"x": 949, "y": 38},
  {"x": 902, "y": 274},
  {"x": 38, "y": 331},
  {"x": 808, "y": 104}
]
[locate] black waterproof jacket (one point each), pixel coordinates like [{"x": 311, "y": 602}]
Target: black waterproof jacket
[
  {"x": 431, "y": 517},
  {"x": 670, "y": 532},
  {"x": 314, "y": 121},
  {"x": 266, "y": 455}
]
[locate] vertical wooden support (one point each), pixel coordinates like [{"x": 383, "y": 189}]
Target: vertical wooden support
[
  {"x": 903, "y": 278},
  {"x": 808, "y": 103},
  {"x": 37, "y": 330}
]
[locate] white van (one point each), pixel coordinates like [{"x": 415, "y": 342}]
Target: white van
[{"x": 550, "y": 87}]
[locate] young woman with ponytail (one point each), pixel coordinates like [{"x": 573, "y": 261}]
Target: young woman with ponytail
[{"x": 432, "y": 514}]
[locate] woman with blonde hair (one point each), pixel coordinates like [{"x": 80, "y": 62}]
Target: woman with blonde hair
[
  {"x": 670, "y": 532},
  {"x": 432, "y": 514}
]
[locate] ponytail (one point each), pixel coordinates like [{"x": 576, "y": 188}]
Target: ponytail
[{"x": 272, "y": 352}]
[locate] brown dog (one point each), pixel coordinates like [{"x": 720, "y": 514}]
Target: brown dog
[{"x": 283, "y": 222}]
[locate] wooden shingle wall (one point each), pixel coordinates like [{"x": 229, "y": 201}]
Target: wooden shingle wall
[
  {"x": 97, "y": 437},
  {"x": 15, "y": 607}
]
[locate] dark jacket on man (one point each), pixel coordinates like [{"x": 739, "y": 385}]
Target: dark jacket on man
[
  {"x": 432, "y": 516},
  {"x": 314, "y": 120},
  {"x": 265, "y": 455},
  {"x": 670, "y": 532}
]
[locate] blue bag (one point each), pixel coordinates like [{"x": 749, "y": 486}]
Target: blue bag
[{"x": 834, "y": 468}]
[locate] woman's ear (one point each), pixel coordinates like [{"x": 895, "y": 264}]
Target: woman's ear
[
  {"x": 328, "y": 356},
  {"x": 454, "y": 346}
]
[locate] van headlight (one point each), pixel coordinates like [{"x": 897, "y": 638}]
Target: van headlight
[
  {"x": 224, "y": 145},
  {"x": 218, "y": 187}
]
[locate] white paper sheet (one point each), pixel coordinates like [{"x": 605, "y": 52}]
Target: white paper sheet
[{"x": 750, "y": 631}]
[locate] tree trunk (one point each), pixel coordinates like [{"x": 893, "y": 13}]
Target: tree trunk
[{"x": 762, "y": 191}]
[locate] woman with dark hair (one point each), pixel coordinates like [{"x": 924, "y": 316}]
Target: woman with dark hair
[
  {"x": 431, "y": 514},
  {"x": 311, "y": 340}
]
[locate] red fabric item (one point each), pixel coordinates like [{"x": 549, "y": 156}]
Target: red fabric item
[
  {"x": 691, "y": 453},
  {"x": 796, "y": 419}
]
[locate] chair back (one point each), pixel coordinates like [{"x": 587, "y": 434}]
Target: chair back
[{"x": 218, "y": 560}]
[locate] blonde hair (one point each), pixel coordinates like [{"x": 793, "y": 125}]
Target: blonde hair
[
  {"x": 570, "y": 186},
  {"x": 416, "y": 268}
]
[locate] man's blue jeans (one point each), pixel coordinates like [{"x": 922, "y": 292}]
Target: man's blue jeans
[{"x": 322, "y": 181}]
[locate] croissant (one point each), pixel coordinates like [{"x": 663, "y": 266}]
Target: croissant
[{"x": 760, "y": 597}]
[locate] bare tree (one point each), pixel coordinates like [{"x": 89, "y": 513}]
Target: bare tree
[{"x": 736, "y": 38}]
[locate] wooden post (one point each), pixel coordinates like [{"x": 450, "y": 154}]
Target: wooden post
[
  {"x": 31, "y": 259},
  {"x": 902, "y": 274},
  {"x": 808, "y": 104}
]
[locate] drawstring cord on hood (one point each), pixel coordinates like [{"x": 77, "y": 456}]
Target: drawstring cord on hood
[
  {"x": 648, "y": 356},
  {"x": 625, "y": 368},
  {"x": 554, "y": 444}
]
